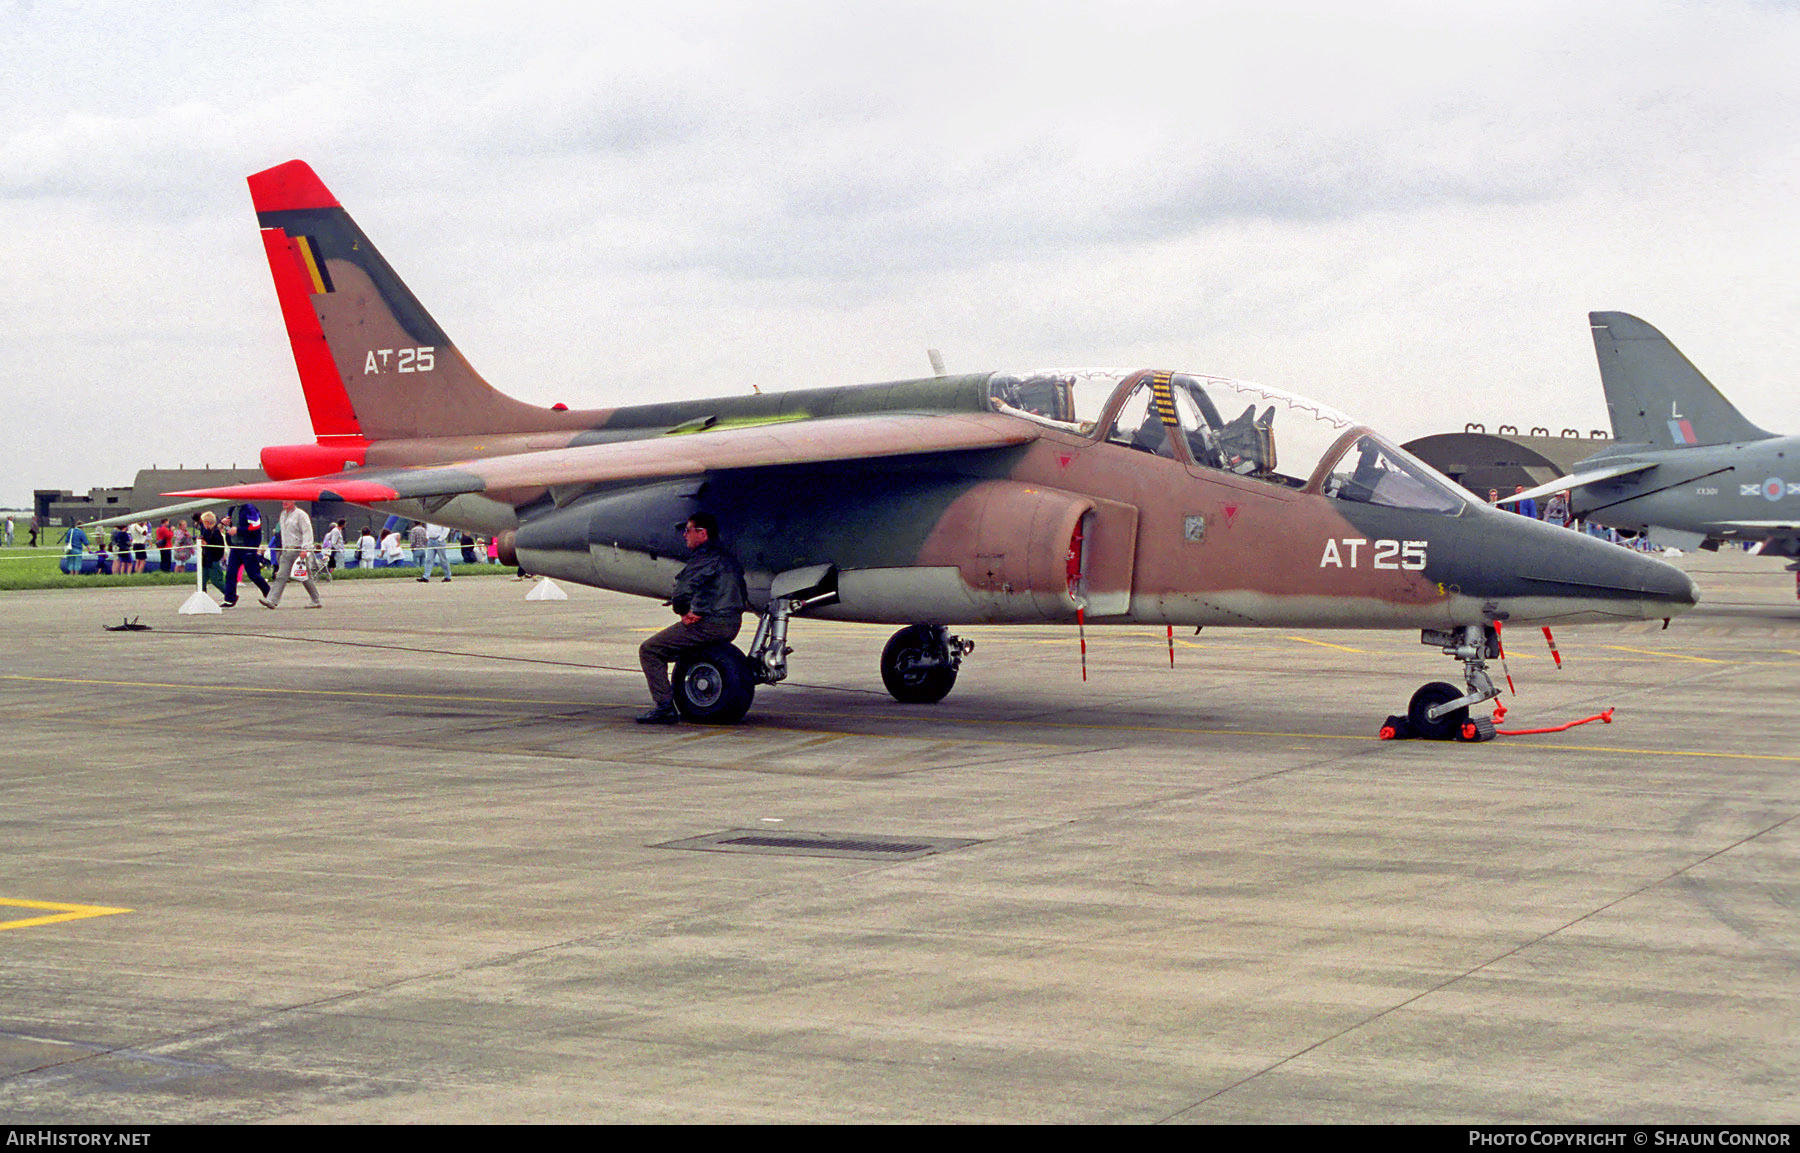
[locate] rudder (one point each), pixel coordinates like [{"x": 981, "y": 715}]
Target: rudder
[
  {"x": 1655, "y": 394},
  {"x": 373, "y": 363}
]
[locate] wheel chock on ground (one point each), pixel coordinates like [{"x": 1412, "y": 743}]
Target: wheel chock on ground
[
  {"x": 1484, "y": 729},
  {"x": 546, "y": 590},
  {"x": 1476, "y": 729}
]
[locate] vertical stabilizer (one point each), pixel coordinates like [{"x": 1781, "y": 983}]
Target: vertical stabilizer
[
  {"x": 1655, "y": 394},
  {"x": 372, "y": 361}
]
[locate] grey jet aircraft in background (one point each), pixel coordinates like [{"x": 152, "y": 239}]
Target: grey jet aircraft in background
[{"x": 1685, "y": 466}]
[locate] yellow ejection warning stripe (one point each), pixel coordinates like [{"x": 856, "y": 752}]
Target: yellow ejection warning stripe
[
  {"x": 311, "y": 260},
  {"x": 1163, "y": 397},
  {"x": 62, "y": 912}
]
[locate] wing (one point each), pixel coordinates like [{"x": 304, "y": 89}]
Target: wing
[
  {"x": 1772, "y": 537},
  {"x": 521, "y": 475},
  {"x": 1576, "y": 480}
]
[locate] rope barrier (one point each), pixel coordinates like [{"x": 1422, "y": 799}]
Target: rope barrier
[{"x": 185, "y": 557}]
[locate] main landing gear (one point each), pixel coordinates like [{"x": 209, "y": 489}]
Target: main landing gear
[
  {"x": 920, "y": 663},
  {"x": 715, "y": 685},
  {"x": 1438, "y": 711}
]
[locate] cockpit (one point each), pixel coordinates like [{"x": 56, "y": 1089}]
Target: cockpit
[{"x": 1232, "y": 426}]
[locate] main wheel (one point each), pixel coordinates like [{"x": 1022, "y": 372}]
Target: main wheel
[
  {"x": 1446, "y": 726},
  {"x": 713, "y": 686},
  {"x": 915, "y": 668}
]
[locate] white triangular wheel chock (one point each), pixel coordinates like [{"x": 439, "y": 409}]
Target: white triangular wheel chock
[
  {"x": 199, "y": 602},
  {"x": 546, "y": 590}
]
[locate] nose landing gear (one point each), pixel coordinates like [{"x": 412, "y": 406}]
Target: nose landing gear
[{"x": 1438, "y": 711}]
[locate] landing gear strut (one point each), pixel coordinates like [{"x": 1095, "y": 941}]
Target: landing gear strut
[
  {"x": 920, "y": 663},
  {"x": 790, "y": 593},
  {"x": 918, "y": 666},
  {"x": 1438, "y": 711}
]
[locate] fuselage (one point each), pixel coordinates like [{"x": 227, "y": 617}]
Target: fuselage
[
  {"x": 1720, "y": 491},
  {"x": 1135, "y": 498},
  {"x": 1141, "y": 495}
]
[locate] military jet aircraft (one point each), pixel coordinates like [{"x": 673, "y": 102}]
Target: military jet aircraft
[
  {"x": 1104, "y": 495},
  {"x": 1685, "y": 467}
]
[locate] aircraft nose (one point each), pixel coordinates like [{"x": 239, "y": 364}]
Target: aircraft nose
[
  {"x": 1617, "y": 581},
  {"x": 1670, "y": 586}
]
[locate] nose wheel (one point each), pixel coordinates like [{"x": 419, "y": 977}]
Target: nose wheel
[
  {"x": 1439, "y": 710},
  {"x": 1427, "y": 715}
]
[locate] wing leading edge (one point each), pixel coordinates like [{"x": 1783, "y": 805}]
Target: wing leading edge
[
  {"x": 1576, "y": 480},
  {"x": 802, "y": 442}
]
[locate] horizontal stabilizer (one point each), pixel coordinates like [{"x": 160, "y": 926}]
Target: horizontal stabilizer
[
  {"x": 167, "y": 510},
  {"x": 350, "y": 487},
  {"x": 1576, "y": 480}
]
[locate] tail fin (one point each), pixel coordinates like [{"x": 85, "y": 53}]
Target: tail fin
[
  {"x": 1656, "y": 395},
  {"x": 372, "y": 362}
]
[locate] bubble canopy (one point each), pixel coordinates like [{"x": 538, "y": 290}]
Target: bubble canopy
[{"x": 1234, "y": 426}]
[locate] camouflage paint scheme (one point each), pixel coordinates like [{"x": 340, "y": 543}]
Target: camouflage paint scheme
[
  {"x": 938, "y": 500},
  {"x": 1685, "y": 465}
]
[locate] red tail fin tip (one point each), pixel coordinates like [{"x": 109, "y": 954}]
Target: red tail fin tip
[{"x": 290, "y": 186}]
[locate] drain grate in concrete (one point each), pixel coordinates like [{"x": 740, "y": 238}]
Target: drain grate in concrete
[{"x": 852, "y": 846}]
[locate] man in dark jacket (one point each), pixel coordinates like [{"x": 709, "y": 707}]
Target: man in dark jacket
[
  {"x": 245, "y": 555},
  {"x": 709, "y": 594}
]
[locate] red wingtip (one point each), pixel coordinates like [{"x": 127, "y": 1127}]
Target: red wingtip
[{"x": 289, "y": 186}]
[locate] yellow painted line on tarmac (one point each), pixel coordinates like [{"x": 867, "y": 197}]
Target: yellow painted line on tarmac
[
  {"x": 1099, "y": 728},
  {"x": 1329, "y": 737},
  {"x": 1327, "y": 645},
  {"x": 63, "y": 912},
  {"x": 1672, "y": 656},
  {"x": 833, "y": 714}
]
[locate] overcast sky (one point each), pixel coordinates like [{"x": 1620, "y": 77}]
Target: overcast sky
[{"x": 1403, "y": 209}]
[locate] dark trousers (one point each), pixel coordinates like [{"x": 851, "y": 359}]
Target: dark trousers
[
  {"x": 245, "y": 561},
  {"x": 668, "y": 645}
]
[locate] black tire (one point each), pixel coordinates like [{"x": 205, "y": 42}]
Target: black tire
[
  {"x": 912, "y": 666},
  {"x": 1445, "y": 727},
  {"x": 713, "y": 686}
]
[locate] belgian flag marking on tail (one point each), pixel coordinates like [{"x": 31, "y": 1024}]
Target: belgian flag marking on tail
[{"x": 315, "y": 268}]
